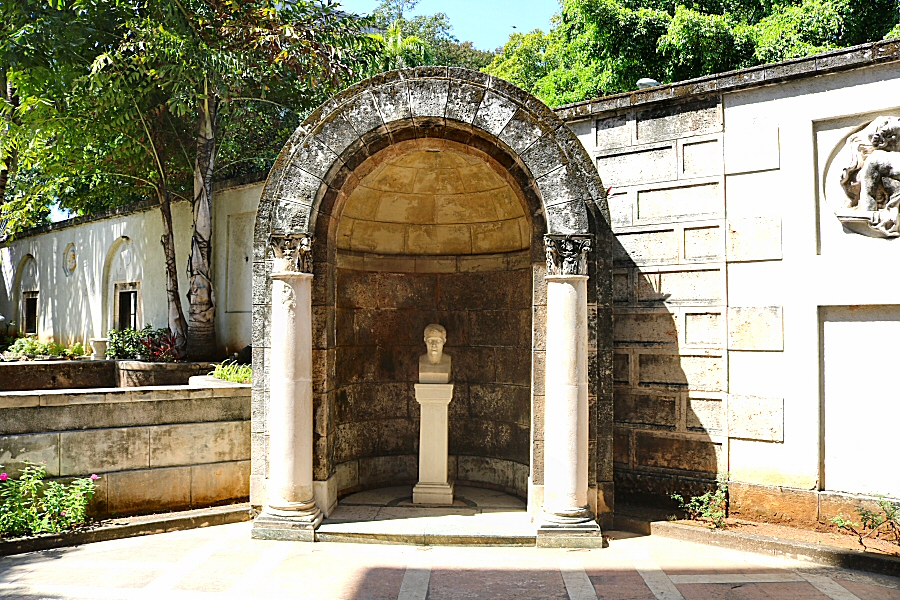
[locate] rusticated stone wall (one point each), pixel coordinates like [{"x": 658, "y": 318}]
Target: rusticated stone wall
[{"x": 380, "y": 318}]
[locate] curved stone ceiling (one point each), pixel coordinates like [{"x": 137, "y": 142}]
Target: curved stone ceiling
[{"x": 433, "y": 202}]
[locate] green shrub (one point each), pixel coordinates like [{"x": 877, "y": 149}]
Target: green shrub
[
  {"x": 29, "y": 505},
  {"x": 886, "y": 520},
  {"x": 22, "y": 347},
  {"x": 711, "y": 506},
  {"x": 149, "y": 344},
  {"x": 231, "y": 371}
]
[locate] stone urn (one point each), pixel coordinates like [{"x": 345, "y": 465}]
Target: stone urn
[{"x": 98, "y": 346}]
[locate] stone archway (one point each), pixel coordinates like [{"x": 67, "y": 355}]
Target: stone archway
[{"x": 326, "y": 211}]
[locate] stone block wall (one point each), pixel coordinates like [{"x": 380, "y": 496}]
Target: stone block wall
[
  {"x": 379, "y": 321},
  {"x": 667, "y": 203},
  {"x": 155, "y": 448}
]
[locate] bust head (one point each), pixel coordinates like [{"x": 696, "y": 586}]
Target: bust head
[{"x": 435, "y": 338}]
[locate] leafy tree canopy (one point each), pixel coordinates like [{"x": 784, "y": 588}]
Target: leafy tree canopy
[
  {"x": 598, "y": 47},
  {"x": 434, "y": 31}
]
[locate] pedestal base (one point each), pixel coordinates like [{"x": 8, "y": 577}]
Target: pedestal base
[
  {"x": 585, "y": 535},
  {"x": 433, "y": 493},
  {"x": 274, "y": 527}
]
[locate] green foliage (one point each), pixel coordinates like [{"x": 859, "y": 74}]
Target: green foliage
[
  {"x": 435, "y": 43},
  {"x": 28, "y": 505},
  {"x": 231, "y": 371},
  {"x": 598, "y": 47},
  {"x": 711, "y": 506},
  {"x": 28, "y": 346},
  {"x": 147, "y": 344},
  {"x": 871, "y": 523}
]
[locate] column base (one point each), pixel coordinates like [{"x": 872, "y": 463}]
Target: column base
[
  {"x": 583, "y": 535},
  {"x": 433, "y": 493},
  {"x": 277, "y": 526}
]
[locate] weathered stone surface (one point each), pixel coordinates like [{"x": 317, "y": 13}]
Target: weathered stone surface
[
  {"x": 704, "y": 200},
  {"x": 776, "y": 504},
  {"x": 755, "y": 328},
  {"x": 149, "y": 490},
  {"x": 174, "y": 445},
  {"x": 671, "y": 120},
  {"x": 103, "y": 450},
  {"x": 703, "y": 244},
  {"x": 697, "y": 372},
  {"x": 695, "y": 286},
  {"x": 756, "y": 418},
  {"x": 16, "y": 450},
  {"x": 701, "y": 158},
  {"x": 646, "y": 248},
  {"x": 362, "y": 114},
  {"x": 645, "y": 409},
  {"x": 463, "y": 100},
  {"x": 428, "y": 97},
  {"x": 494, "y": 113},
  {"x": 752, "y": 239},
  {"x": 676, "y": 453},
  {"x": 638, "y": 165},
  {"x": 38, "y": 375},
  {"x": 644, "y": 329},
  {"x": 613, "y": 131},
  {"x": 218, "y": 482},
  {"x": 703, "y": 328},
  {"x": 705, "y": 415}
]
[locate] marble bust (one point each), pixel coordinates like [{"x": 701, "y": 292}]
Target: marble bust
[{"x": 434, "y": 365}]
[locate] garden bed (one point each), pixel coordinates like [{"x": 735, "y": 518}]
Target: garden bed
[
  {"x": 822, "y": 534},
  {"x": 82, "y": 374}
]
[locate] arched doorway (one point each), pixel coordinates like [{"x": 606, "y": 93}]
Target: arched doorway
[{"x": 432, "y": 195}]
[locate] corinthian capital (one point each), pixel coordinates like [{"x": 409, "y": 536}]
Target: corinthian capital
[
  {"x": 567, "y": 254},
  {"x": 296, "y": 248}
]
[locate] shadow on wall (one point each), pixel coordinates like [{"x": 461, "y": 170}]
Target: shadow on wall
[{"x": 667, "y": 373}]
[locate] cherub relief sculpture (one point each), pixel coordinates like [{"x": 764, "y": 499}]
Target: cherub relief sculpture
[{"x": 872, "y": 181}]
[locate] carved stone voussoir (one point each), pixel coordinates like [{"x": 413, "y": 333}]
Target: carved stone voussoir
[
  {"x": 296, "y": 248},
  {"x": 567, "y": 254}
]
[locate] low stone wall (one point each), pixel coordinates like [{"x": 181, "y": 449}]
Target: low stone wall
[
  {"x": 155, "y": 448},
  {"x": 54, "y": 375},
  {"x": 81, "y": 374},
  {"x": 793, "y": 506}
]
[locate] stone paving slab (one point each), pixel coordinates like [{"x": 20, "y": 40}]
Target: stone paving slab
[{"x": 223, "y": 562}]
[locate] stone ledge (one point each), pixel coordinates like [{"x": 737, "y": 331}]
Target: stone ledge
[
  {"x": 131, "y": 527},
  {"x": 747, "y": 542}
]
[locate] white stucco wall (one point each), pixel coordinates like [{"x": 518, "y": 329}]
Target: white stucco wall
[{"x": 75, "y": 306}]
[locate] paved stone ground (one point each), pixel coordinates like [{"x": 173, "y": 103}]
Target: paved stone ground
[{"x": 223, "y": 562}]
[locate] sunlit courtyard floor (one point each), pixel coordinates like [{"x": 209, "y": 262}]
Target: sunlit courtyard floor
[
  {"x": 477, "y": 516},
  {"x": 223, "y": 562}
]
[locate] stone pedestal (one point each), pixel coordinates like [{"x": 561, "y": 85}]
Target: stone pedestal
[
  {"x": 291, "y": 511},
  {"x": 434, "y": 486}
]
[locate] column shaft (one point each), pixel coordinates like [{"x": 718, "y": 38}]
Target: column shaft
[
  {"x": 290, "y": 413},
  {"x": 566, "y": 402}
]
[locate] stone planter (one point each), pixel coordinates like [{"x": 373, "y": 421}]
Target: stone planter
[
  {"x": 208, "y": 381},
  {"x": 98, "y": 346},
  {"x": 135, "y": 373}
]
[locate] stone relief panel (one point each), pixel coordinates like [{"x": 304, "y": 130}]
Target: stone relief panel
[{"x": 862, "y": 183}]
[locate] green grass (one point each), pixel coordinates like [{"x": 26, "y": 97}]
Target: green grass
[{"x": 231, "y": 371}]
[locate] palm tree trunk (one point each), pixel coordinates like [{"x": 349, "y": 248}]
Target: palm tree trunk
[
  {"x": 177, "y": 324},
  {"x": 201, "y": 297}
]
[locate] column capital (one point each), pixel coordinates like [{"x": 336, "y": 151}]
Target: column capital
[
  {"x": 293, "y": 250},
  {"x": 567, "y": 254}
]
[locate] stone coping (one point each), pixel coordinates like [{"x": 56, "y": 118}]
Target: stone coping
[
  {"x": 843, "y": 59},
  {"x": 117, "y": 529},
  {"x": 749, "y": 542},
  {"x": 68, "y": 397}
]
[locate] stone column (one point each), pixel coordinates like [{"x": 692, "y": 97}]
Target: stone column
[
  {"x": 290, "y": 511},
  {"x": 567, "y": 519}
]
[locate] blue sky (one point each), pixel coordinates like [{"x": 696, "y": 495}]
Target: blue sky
[{"x": 486, "y": 23}]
